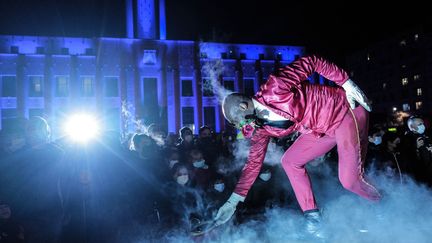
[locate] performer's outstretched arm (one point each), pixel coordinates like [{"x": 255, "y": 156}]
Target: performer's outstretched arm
[{"x": 250, "y": 172}]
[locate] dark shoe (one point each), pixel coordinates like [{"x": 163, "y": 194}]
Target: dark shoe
[{"x": 313, "y": 223}]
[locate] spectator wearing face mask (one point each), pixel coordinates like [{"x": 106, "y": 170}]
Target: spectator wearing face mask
[
  {"x": 172, "y": 159},
  {"x": 186, "y": 143},
  {"x": 391, "y": 162},
  {"x": 263, "y": 193},
  {"x": 217, "y": 193},
  {"x": 227, "y": 144},
  {"x": 375, "y": 147},
  {"x": 183, "y": 201},
  {"x": 200, "y": 169},
  {"x": 207, "y": 144},
  {"x": 419, "y": 147}
]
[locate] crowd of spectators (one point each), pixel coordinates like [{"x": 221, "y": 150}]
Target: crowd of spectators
[{"x": 152, "y": 183}]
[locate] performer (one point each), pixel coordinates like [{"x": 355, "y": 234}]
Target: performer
[{"x": 325, "y": 116}]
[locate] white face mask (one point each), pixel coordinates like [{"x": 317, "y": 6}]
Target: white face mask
[
  {"x": 172, "y": 163},
  {"x": 182, "y": 180},
  {"x": 377, "y": 140},
  {"x": 265, "y": 176},
  {"x": 199, "y": 163},
  {"x": 219, "y": 187},
  {"x": 421, "y": 129}
]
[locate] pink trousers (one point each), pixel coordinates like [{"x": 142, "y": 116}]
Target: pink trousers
[{"x": 351, "y": 140}]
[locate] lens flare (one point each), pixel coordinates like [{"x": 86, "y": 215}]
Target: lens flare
[{"x": 81, "y": 127}]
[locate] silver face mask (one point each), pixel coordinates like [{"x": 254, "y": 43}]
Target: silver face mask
[{"x": 182, "y": 180}]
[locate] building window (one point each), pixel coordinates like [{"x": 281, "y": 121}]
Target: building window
[
  {"x": 229, "y": 85},
  {"x": 404, "y": 81},
  {"x": 9, "y": 88},
  {"x": 89, "y": 51},
  {"x": 418, "y": 105},
  {"x": 416, "y": 77},
  {"x": 419, "y": 91},
  {"x": 87, "y": 88},
  {"x": 188, "y": 117},
  {"x": 40, "y": 50},
  {"x": 405, "y": 107},
  {"x": 111, "y": 87},
  {"x": 62, "y": 86},
  {"x": 249, "y": 87},
  {"x": 36, "y": 86},
  {"x": 209, "y": 117},
  {"x": 14, "y": 49},
  {"x": 8, "y": 118},
  {"x": 150, "y": 105},
  {"x": 207, "y": 88},
  {"x": 187, "y": 90}
]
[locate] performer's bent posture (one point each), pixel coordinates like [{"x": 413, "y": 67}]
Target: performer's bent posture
[{"x": 325, "y": 116}]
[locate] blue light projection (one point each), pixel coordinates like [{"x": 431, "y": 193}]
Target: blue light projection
[
  {"x": 130, "y": 54},
  {"x": 162, "y": 20}
]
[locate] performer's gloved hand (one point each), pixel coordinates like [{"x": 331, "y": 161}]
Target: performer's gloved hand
[
  {"x": 227, "y": 210},
  {"x": 354, "y": 93}
]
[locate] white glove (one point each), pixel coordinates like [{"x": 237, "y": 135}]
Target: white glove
[
  {"x": 354, "y": 93},
  {"x": 227, "y": 210}
]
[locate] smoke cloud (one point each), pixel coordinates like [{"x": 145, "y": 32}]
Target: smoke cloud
[
  {"x": 213, "y": 70},
  {"x": 403, "y": 215}
]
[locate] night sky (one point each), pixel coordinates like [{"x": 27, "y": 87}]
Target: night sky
[{"x": 327, "y": 28}]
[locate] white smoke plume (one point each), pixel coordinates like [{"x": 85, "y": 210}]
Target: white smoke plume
[
  {"x": 132, "y": 125},
  {"x": 241, "y": 152},
  {"x": 213, "y": 70}
]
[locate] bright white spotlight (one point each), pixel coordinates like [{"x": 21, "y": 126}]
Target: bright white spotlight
[{"x": 81, "y": 127}]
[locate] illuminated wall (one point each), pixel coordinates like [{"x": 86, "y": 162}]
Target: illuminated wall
[{"x": 157, "y": 78}]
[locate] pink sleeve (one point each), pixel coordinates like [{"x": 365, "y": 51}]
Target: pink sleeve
[
  {"x": 299, "y": 70},
  {"x": 250, "y": 172}
]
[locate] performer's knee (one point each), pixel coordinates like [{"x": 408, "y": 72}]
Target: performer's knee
[
  {"x": 348, "y": 182},
  {"x": 289, "y": 164}
]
